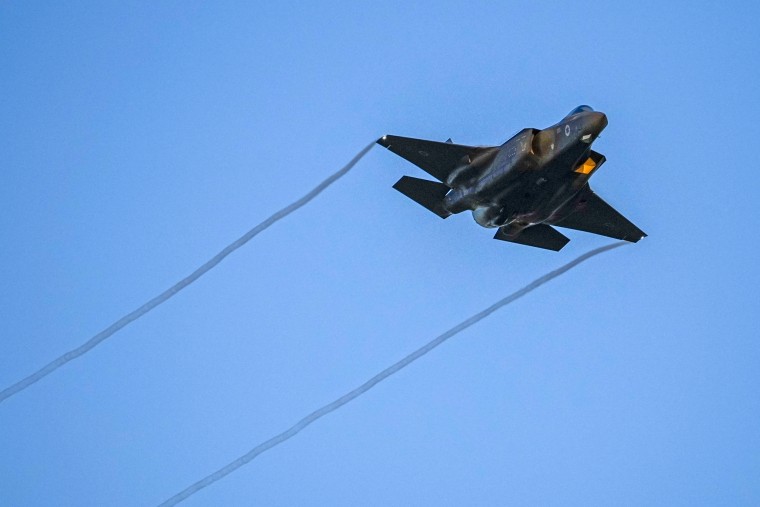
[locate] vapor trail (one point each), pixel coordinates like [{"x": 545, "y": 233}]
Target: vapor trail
[
  {"x": 174, "y": 289},
  {"x": 330, "y": 407}
]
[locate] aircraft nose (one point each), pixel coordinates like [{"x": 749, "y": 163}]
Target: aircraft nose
[
  {"x": 598, "y": 121},
  {"x": 595, "y": 123}
]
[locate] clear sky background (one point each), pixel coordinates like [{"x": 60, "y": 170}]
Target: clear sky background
[{"x": 137, "y": 140}]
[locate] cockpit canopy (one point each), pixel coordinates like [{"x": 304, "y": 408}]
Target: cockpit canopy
[{"x": 580, "y": 109}]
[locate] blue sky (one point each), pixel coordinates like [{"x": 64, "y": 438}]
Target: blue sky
[{"x": 138, "y": 140}]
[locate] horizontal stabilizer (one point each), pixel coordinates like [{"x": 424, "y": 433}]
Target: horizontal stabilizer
[
  {"x": 539, "y": 235},
  {"x": 427, "y": 193},
  {"x": 589, "y": 213}
]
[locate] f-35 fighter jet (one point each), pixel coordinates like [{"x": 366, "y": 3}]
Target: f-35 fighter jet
[{"x": 535, "y": 180}]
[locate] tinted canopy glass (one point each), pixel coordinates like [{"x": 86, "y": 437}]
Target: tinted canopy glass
[{"x": 581, "y": 109}]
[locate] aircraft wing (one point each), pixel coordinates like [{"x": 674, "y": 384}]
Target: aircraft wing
[
  {"x": 589, "y": 213},
  {"x": 436, "y": 159}
]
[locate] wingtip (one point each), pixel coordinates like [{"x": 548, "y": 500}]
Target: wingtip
[
  {"x": 383, "y": 141},
  {"x": 636, "y": 238}
]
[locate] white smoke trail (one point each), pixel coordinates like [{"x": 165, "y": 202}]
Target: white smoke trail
[
  {"x": 330, "y": 407},
  {"x": 174, "y": 289}
]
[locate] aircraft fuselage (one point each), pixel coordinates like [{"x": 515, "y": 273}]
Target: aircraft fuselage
[
  {"x": 528, "y": 178},
  {"x": 534, "y": 182}
]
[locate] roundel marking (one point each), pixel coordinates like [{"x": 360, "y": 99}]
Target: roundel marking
[{"x": 567, "y": 130}]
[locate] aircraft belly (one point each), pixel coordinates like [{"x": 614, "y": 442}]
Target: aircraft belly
[{"x": 531, "y": 200}]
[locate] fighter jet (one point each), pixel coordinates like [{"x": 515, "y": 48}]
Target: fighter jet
[{"x": 535, "y": 180}]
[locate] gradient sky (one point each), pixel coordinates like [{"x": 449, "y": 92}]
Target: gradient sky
[{"x": 137, "y": 140}]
